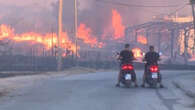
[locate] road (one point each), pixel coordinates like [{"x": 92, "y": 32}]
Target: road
[{"x": 97, "y": 92}]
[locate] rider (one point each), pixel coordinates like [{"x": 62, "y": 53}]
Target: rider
[
  {"x": 126, "y": 56},
  {"x": 151, "y": 57}
]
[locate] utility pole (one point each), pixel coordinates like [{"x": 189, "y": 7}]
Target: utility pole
[
  {"x": 75, "y": 27},
  {"x": 159, "y": 41},
  {"x": 59, "y": 55},
  {"x": 172, "y": 42},
  {"x": 192, "y": 2},
  {"x": 52, "y": 46}
]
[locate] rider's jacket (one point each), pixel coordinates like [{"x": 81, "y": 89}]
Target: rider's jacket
[
  {"x": 152, "y": 58},
  {"x": 126, "y": 56}
]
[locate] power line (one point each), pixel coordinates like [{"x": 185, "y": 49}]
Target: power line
[
  {"x": 171, "y": 13},
  {"x": 177, "y": 9},
  {"x": 135, "y": 5}
]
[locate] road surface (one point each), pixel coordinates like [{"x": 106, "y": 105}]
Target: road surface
[{"x": 97, "y": 92}]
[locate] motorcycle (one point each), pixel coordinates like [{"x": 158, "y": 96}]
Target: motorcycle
[
  {"x": 127, "y": 74},
  {"x": 153, "y": 76}
]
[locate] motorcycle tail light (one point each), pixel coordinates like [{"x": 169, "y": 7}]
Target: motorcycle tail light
[
  {"x": 127, "y": 67},
  {"x": 154, "y": 69}
]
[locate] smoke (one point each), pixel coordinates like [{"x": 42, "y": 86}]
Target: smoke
[
  {"x": 85, "y": 4},
  {"x": 26, "y": 18},
  {"x": 40, "y": 17}
]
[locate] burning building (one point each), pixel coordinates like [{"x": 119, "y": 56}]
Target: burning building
[
  {"x": 46, "y": 41},
  {"x": 172, "y": 36}
]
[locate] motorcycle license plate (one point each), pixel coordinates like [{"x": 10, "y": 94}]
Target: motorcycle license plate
[
  {"x": 128, "y": 77},
  {"x": 155, "y": 76}
]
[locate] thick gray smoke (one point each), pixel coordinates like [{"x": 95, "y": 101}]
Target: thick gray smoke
[
  {"x": 26, "y": 18},
  {"x": 95, "y": 13},
  {"x": 85, "y": 4}
]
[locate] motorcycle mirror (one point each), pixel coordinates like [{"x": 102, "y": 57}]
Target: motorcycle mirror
[
  {"x": 160, "y": 53},
  {"x": 143, "y": 54}
]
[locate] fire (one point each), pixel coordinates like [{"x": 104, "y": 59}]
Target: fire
[
  {"x": 190, "y": 42},
  {"x": 137, "y": 52},
  {"x": 119, "y": 28},
  {"x": 85, "y": 34},
  {"x": 49, "y": 40},
  {"x": 5, "y": 31},
  {"x": 142, "y": 40}
]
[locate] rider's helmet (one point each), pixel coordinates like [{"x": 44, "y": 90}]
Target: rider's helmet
[
  {"x": 151, "y": 48},
  {"x": 127, "y": 45}
]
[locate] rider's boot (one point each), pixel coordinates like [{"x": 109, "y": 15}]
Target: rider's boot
[
  {"x": 144, "y": 80},
  {"x": 118, "y": 85},
  {"x": 136, "y": 85},
  {"x": 143, "y": 85},
  {"x": 161, "y": 85}
]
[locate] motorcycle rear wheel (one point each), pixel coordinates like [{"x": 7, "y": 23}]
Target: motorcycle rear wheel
[{"x": 127, "y": 84}]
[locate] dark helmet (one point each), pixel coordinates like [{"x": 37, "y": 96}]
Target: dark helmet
[
  {"x": 127, "y": 45},
  {"x": 151, "y": 47}
]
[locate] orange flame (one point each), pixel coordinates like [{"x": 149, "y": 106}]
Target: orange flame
[
  {"x": 118, "y": 27},
  {"x": 142, "y": 40},
  {"x": 137, "y": 52},
  {"x": 85, "y": 34},
  {"x": 5, "y": 31},
  {"x": 48, "y": 40}
]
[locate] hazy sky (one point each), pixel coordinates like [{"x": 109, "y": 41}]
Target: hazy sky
[
  {"x": 27, "y": 2},
  {"x": 47, "y": 2},
  {"x": 87, "y": 3}
]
